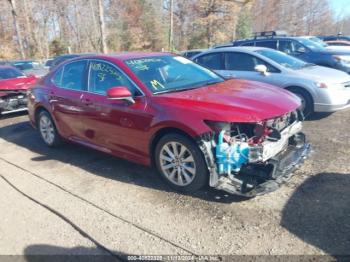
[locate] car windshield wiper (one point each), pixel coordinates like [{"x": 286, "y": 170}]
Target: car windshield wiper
[
  {"x": 199, "y": 85},
  {"x": 208, "y": 83},
  {"x": 308, "y": 65},
  {"x": 174, "y": 90}
]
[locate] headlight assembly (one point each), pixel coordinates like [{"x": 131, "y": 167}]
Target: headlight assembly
[{"x": 343, "y": 59}]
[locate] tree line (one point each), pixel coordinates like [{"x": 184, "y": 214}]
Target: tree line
[{"x": 45, "y": 28}]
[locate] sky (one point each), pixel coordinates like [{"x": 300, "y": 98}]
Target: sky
[{"x": 340, "y": 7}]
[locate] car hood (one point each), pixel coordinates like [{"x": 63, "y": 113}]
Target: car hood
[
  {"x": 20, "y": 83},
  {"x": 232, "y": 101},
  {"x": 324, "y": 74},
  {"x": 335, "y": 51},
  {"x": 339, "y": 49}
]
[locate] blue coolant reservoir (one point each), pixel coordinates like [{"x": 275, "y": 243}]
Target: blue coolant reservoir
[{"x": 230, "y": 157}]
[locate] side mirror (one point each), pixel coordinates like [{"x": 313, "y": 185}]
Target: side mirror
[
  {"x": 261, "y": 69},
  {"x": 301, "y": 50},
  {"x": 120, "y": 93}
]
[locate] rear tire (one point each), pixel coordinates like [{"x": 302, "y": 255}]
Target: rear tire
[
  {"x": 48, "y": 130},
  {"x": 180, "y": 163}
]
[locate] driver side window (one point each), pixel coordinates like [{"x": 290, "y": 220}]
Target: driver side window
[
  {"x": 245, "y": 62},
  {"x": 297, "y": 46},
  {"x": 103, "y": 76},
  {"x": 212, "y": 61}
]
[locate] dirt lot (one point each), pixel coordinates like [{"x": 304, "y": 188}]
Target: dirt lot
[{"x": 78, "y": 201}]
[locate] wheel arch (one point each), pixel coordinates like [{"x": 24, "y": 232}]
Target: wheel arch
[
  {"x": 37, "y": 111},
  {"x": 303, "y": 89},
  {"x": 159, "y": 134}
]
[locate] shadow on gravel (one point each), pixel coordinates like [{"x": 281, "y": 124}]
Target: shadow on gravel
[
  {"x": 319, "y": 213},
  {"x": 101, "y": 164},
  {"x": 43, "y": 253}
]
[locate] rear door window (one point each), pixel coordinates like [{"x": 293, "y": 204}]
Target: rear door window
[
  {"x": 213, "y": 61},
  {"x": 74, "y": 75},
  {"x": 269, "y": 44}
]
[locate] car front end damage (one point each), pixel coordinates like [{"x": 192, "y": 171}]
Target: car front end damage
[
  {"x": 12, "y": 101},
  {"x": 251, "y": 159}
]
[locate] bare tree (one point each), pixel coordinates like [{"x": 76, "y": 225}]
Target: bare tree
[
  {"x": 17, "y": 29},
  {"x": 102, "y": 26}
]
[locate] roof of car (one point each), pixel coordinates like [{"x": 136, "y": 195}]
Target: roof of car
[
  {"x": 135, "y": 55},
  {"x": 7, "y": 67},
  {"x": 238, "y": 48},
  {"x": 194, "y": 50},
  {"x": 123, "y": 55},
  {"x": 268, "y": 38}
]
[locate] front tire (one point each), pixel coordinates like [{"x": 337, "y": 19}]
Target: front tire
[
  {"x": 307, "y": 106},
  {"x": 47, "y": 129},
  {"x": 180, "y": 163}
]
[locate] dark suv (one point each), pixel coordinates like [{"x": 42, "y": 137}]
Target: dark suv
[
  {"x": 300, "y": 47},
  {"x": 335, "y": 38}
]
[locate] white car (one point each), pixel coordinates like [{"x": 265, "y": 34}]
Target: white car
[{"x": 321, "y": 89}]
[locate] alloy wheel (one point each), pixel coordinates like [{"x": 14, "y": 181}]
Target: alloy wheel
[
  {"x": 177, "y": 163},
  {"x": 47, "y": 129}
]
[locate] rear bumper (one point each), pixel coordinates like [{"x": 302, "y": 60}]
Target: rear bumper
[{"x": 282, "y": 167}]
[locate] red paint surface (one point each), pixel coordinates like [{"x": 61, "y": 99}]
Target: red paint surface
[{"x": 127, "y": 131}]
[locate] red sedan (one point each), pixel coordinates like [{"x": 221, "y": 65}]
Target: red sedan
[
  {"x": 159, "y": 109},
  {"x": 13, "y": 87}
]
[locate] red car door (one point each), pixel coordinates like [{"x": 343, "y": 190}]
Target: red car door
[
  {"x": 65, "y": 97},
  {"x": 114, "y": 125}
]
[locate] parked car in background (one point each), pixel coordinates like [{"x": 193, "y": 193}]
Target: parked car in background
[
  {"x": 316, "y": 40},
  {"x": 338, "y": 43},
  {"x": 338, "y": 37},
  {"x": 192, "y": 124},
  {"x": 13, "y": 89},
  {"x": 30, "y": 67},
  {"x": 191, "y": 53},
  {"x": 320, "y": 89},
  {"x": 61, "y": 58},
  {"x": 48, "y": 63},
  {"x": 299, "y": 47}
]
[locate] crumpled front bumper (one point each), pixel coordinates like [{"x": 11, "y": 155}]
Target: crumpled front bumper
[{"x": 283, "y": 166}]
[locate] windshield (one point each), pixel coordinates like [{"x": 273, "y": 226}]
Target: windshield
[
  {"x": 163, "y": 74},
  {"x": 318, "y": 41},
  {"x": 7, "y": 73},
  {"x": 283, "y": 59},
  {"x": 313, "y": 45}
]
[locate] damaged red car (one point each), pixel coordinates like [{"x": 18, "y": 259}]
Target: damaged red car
[
  {"x": 13, "y": 88},
  {"x": 160, "y": 109}
]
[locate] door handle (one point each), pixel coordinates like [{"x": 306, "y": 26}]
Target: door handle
[
  {"x": 52, "y": 97},
  {"x": 87, "y": 102}
]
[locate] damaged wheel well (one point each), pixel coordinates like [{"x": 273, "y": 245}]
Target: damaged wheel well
[
  {"x": 38, "y": 110},
  {"x": 159, "y": 134}
]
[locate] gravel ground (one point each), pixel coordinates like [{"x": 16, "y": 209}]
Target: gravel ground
[{"x": 74, "y": 200}]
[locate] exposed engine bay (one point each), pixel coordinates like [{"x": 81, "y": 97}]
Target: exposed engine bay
[
  {"x": 12, "y": 101},
  {"x": 254, "y": 158}
]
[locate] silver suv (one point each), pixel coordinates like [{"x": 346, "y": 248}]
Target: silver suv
[{"x": 321, "y": 89}]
